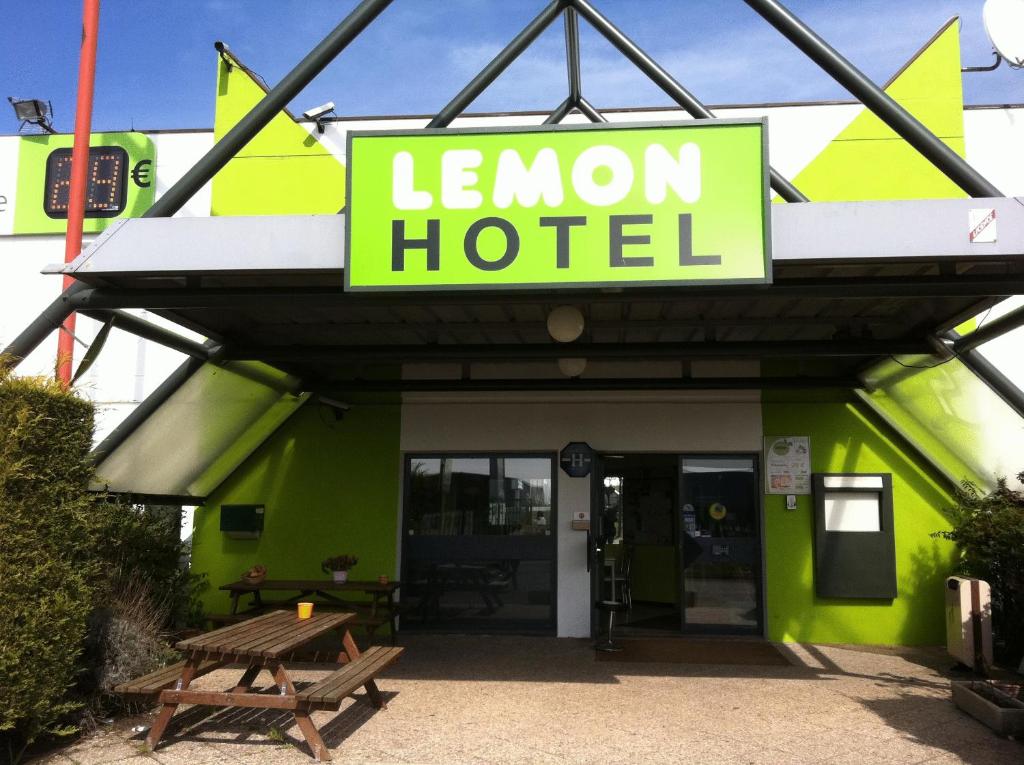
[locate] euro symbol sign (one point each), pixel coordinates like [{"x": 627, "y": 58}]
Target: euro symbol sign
[{"x": 140, "y": 173}]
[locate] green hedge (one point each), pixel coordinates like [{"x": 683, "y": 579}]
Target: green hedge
[
  {"x": 89, "y": 586},
  {"x": 48, "y": 565}
]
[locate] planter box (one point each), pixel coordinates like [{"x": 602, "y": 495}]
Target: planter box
[{"x": 1006, "y": 720}]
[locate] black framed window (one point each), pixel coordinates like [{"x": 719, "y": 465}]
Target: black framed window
[{"x": 479, "y": 542}]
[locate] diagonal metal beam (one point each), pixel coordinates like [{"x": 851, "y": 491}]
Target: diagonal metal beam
[
  {"x": 498, "y": 64},
  {"x": 153, "y": 332},
  {"x": 589, "y": 111},
  {"x": 670, "y": 86},
  {"x": 990, "y": 331},
  {"x": 874, "y": 98},
  {"x": 260, "y": 115}
]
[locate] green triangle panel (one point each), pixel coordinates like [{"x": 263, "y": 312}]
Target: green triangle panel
[
  {"x": 284, "y": 170},
  {"x": 868, "y": 161}
]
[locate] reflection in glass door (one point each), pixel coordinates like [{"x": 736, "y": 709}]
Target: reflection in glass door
[
  {"x": 720, "y": 544},
  {"x": 479, "y": 547}
]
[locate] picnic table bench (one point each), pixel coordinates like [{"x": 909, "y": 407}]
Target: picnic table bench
[
  {"x": 264, "y": 643},
  {"x": 379, "y": 610}
]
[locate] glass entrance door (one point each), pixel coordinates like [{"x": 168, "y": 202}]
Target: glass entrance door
[{"x": 720, "y": 544}]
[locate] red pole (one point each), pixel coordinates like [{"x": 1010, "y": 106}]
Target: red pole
[{"x": 79, "y": 169}]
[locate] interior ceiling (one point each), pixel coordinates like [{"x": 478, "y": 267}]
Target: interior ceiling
[{"x": 839, "y": 315}]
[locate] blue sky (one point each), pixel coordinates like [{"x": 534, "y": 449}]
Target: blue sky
[{"x": 156, "y": 63}]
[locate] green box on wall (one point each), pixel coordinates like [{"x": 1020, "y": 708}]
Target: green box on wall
[{"x": 126, "y": 170}]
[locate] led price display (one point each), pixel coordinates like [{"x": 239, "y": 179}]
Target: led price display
[{"x": 105, "y": 182}]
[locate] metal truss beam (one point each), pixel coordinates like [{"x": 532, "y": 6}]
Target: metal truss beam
[
  {"x": 591, "y": 384},
  {"x": 540, "y": 351},
  {"x": 865, "y": 288}
]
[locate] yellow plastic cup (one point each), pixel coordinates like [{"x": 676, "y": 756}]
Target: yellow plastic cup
[{"x": 305, "y": 610}]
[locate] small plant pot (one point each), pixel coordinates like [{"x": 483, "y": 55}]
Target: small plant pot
[
  {"x": 340, "y": 577},
  {"x": 997, "y": 710}
]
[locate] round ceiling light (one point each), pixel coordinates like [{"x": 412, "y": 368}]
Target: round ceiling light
[
  {"x": 572, "y": 367},
  {"x": 565, "y": 323}
]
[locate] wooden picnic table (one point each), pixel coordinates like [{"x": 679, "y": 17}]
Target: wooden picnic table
[
  {"x": 382, "y": 597},
  {"x": 264, "y": 643}
]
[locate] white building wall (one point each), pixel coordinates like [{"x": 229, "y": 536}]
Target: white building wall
[
  {"x": 995, "y": 146},
  {"x": 683, "y": 421}
]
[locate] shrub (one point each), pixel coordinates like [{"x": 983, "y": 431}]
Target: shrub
[
  {"x": 47, "y": 571},
  {"x": 127, "y": 638},
  {"x": 989, "y": 530},
  {"x": 88, "y": 585}
]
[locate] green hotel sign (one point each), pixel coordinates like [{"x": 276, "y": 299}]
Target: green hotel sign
[{"x": 565, "y": 206}]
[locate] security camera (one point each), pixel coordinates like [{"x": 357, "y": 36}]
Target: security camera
[{"x": 319, "y": 111}]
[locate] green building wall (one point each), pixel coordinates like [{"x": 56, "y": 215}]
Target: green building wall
[
  {"x": 845, "y": 438},
  {"x": 330, "y": 487}
]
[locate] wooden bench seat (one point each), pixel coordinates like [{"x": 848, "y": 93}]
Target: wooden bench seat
[
  {"x": 332, "y": 690},
  {"x": 154, "y": 682}
]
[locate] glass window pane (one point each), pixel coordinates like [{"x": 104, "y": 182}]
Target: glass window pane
[
  {"x": 950, "y": 414},
  {"x": 479, "y": 543}
]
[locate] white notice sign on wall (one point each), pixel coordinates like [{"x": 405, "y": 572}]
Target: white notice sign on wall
[{"x": 787, "y": 465}]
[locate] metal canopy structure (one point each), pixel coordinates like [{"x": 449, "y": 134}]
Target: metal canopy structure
[{"x": 852, "y": 283}]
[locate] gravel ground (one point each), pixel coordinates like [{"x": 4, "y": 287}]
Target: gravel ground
[{"x": 460, "y": 699}]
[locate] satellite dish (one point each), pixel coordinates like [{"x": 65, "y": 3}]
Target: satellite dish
[{"x": 1004, "y": 25}]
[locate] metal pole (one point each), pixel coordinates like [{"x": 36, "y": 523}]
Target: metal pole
[
  {"x": 995, "y": 328},
  {"x": 589, "y": 111},
  {"x": 672, "y": 88},
  {"x": 572, "y": 53},
  {"x": 874, "y": 98},
  {"x": 221, "y": 153},
  {"x": 149, "y": 331},
  {"x": 79, "y": 174},
  {"x": 498, "y": 64}
]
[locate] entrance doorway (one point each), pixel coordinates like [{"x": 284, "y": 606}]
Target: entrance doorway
[{"x": 677, "y": 542}]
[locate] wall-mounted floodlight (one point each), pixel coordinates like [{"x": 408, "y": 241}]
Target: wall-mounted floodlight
[
  {"x": 318, "y": 114},
  {"x": 1004, "y": 25},
  {"x": 33, "y": 111}
]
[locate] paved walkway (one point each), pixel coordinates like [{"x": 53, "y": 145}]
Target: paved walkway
[{"x": 504, "y": 700}]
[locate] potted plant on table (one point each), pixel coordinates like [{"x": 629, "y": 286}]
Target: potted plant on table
[{"x": 338, "y": 566}]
